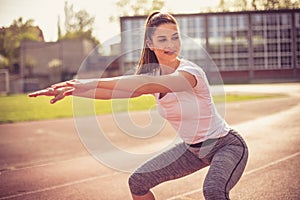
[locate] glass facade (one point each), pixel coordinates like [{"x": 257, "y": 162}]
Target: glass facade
[
  {"x": 297, "y": 38},
  {"x": 272, "y": 40},
  {"x": 132, "y": 39},
  {"x": 228, "y": 41},
  {"x": 243, "y": 41},
  {"x": 193, "y": 37}
]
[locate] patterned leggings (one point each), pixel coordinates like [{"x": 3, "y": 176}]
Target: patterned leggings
[{"x": 226, "y": 156}]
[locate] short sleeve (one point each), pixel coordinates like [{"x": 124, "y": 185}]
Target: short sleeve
[{"x": 197, "y": 72}]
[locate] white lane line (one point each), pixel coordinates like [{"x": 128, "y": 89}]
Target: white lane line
[
  {"x": 272, "y": 163},
  {"x": 59, "y": 186},
  {"x": 33, "y": 165},
  {"x": 107, "y": 175},
  {"x": 245, "y": 174}
]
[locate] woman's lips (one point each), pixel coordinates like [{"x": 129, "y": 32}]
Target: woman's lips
[{"x": 170, "y": 52}]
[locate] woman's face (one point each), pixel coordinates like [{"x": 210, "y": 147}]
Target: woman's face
[{"x": 165, "y": 42}]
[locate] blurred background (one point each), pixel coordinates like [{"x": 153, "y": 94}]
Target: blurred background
[
  {"x": 43, "y": 42},
  {"x": 252, "y": 46}
]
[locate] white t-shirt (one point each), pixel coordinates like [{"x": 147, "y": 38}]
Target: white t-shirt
[{"x": 192, "y": 113}]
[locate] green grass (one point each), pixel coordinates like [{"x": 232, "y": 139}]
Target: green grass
[{"x": 17, "y": 108}]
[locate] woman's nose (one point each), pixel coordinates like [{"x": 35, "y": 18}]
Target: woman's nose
[{"x": 170, "y": 44}]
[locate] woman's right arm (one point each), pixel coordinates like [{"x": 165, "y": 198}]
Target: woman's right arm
[
  {"x": 141, "y": 84},
  {"x": 102, "y": 93},
  {"x": 97, "y": 93}
]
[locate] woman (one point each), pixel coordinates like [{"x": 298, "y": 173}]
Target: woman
[{"x": 183, "y": 98}]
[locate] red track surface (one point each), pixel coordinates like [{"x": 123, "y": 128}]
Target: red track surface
[{"x": 46, "y": 160}]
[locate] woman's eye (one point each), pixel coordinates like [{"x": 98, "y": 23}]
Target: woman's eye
[
  {"x": 162, "y": 40},
  {"x": 175, "y": 38}
]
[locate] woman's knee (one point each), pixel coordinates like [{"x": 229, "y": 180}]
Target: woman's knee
[
  {"x": 214, "y": 193},
  {"x": 138, "y": 184}
]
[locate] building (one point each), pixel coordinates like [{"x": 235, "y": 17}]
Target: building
[
  {"x": 235, "y": 47},
  {"x": 242, "y": 46},
  {"x": 44, "y": 63}
]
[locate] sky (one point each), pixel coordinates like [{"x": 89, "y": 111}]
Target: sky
[{"x": 45, "y": 13}]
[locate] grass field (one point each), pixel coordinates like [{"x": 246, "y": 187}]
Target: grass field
[{"x": 17, "y": 108}]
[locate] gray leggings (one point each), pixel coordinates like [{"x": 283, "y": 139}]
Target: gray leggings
[{"x": 227, "y": 157}]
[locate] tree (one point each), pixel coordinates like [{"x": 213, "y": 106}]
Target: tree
[
  {"x": 222, "y": 6},
  {"x": 78, "y": 25},
  {"x": 58, "y": 28},
  {"x": 274, "y": 4},
  {"x": 241, "y": 5},
  {"x": 253, "y": 4},
  {"x": 157, "y": 5},
  {"x": 12, "y": 36},
  {"x": 136, "y": 7}
]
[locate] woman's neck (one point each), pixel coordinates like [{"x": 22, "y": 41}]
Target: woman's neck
[{"x": 170, "y": 67}]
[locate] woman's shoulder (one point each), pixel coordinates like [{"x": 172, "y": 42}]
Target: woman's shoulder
[{"x": 190, "y": 66}]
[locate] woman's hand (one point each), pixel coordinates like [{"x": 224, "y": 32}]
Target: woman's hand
[
  {"x": 58, "y": 93},
  {"x": 63, "y": 84},
  {"x": 79, "y": 84}
]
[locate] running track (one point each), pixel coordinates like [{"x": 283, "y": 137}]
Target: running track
[{"x": 46, "y": 160}]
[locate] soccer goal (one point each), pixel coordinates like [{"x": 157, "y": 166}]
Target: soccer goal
[{"x": 4, "y": 81}]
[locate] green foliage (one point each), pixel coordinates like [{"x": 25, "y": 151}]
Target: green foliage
[
  {"x": 12, "y": 36},
  {"x": 81, "y": 35},
  {"x": 242, "y": 5},
  {"x": 274, "y": 4},
  {"x": 3, "y": 62},
  {"x": 78, "y": 25},
  {"x": 136, "y": 7}
]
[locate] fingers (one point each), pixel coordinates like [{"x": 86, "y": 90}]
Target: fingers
[
  {"x": 57, "y": 93},
  {"x": 62, "y": 84},
  {"x": 71, "y": 83},
  {"x": 57, "y": 98},
  {"x": 59, "y": 85},
  {"x": 44, "y": 92},
  {"x": 62, "y": 94},
  {"x": 69, "y": 92}
]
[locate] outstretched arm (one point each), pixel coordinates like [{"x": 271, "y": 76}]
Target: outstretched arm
[
  {"x": 140, "y": 84},
  {"x": 119, "y": 87},
  {"x": 97, "y": 93}
]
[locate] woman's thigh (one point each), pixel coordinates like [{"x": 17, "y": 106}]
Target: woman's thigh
[
  {"x": 227, "y": 167},
  {"x": 172, "y": 164}
]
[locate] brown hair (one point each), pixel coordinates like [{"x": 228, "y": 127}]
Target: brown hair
[{"x": 148, "y": 61}]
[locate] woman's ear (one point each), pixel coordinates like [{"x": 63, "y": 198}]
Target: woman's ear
[{"x": 149, "y": 44}]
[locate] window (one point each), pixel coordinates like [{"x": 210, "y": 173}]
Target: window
[
  {"x": 257, "y": 20},
  {"x": 243, "y": 62},
  {"x": 272, "y": 47},
  {"x": 272, "y": 34},
  {"x": 285, "y": 33},
  {"x": 298, "y": 47},
  {"x": 228, "y": 40},
  {"x": 286, "y": 61},
  {"x": 285, "y": 47},
  {"x": 271, "y": 20},
  {"x": 259, "y": 62},
  {"x": 241, "y": 48},
  {"x": 285, "y": 19},
  {"x": 297, "y": 20},
  {"x": 272, "y": 61}
]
